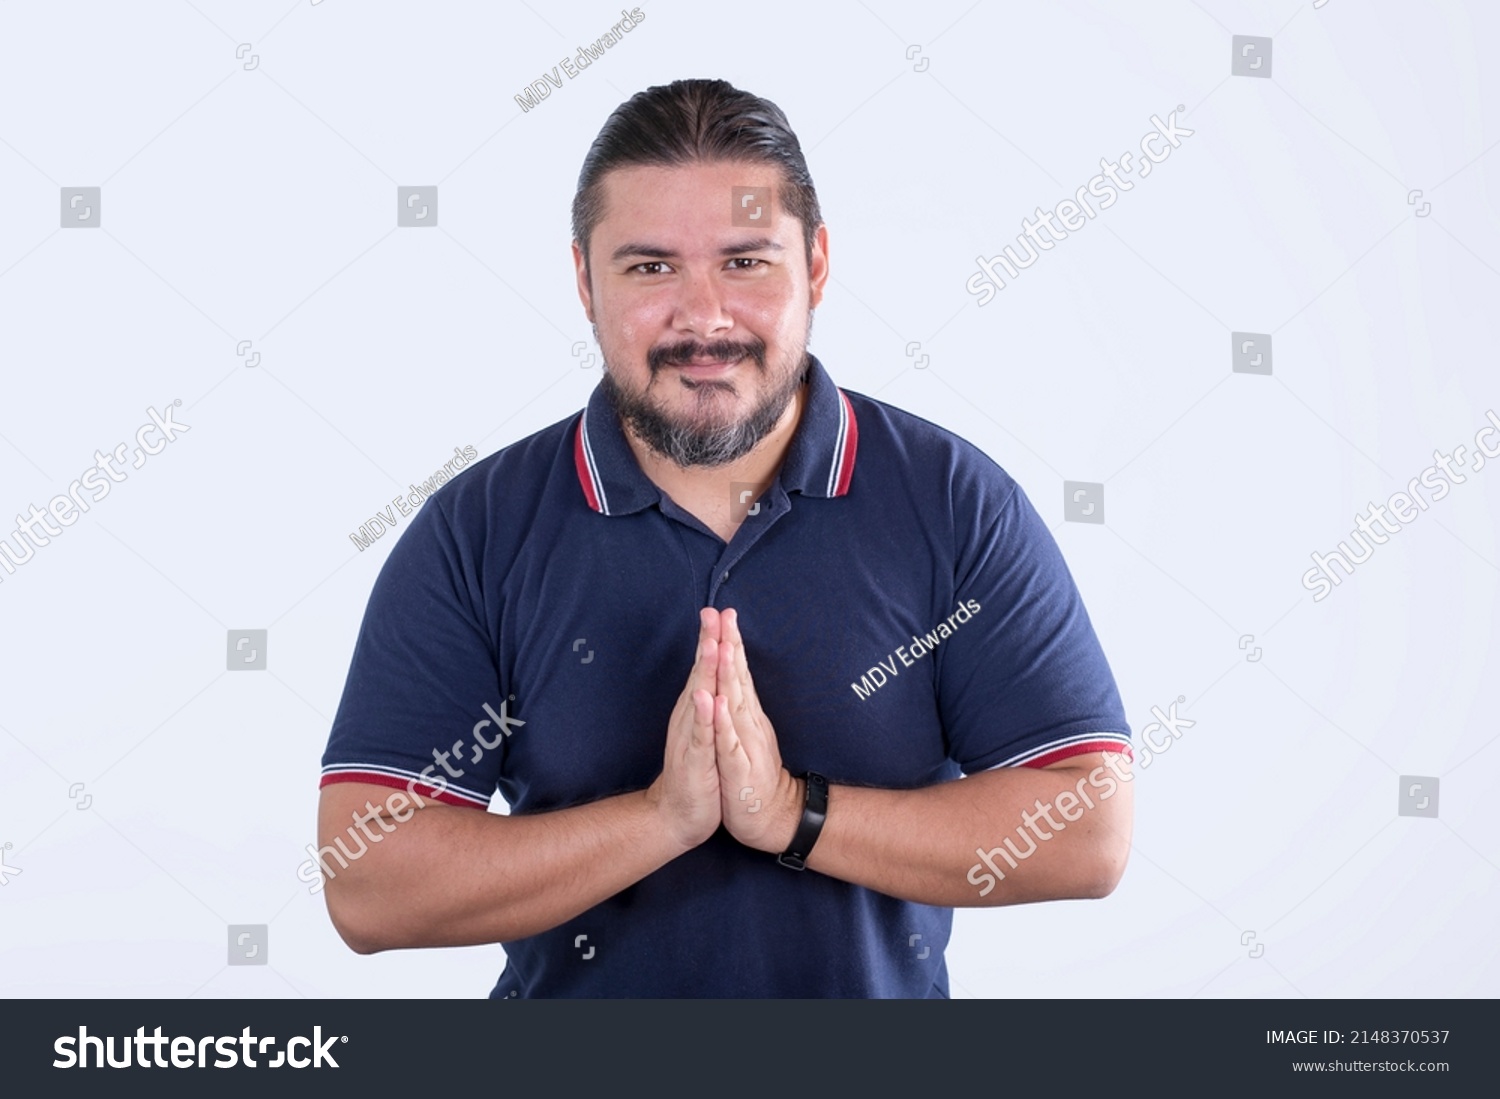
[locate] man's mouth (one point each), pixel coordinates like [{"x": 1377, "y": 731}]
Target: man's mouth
[
  {"x": 703, "y": 361},
  {"x": 709, "y": 364}
]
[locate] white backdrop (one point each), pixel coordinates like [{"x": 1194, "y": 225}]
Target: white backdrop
[{"x": 247, "y": 157}]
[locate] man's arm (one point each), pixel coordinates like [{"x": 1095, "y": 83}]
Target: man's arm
[
  {"x": 944, "y": 844},
  {"x": 451, "y": 876},
  {"x": 444, "y": 875},
  {"x": 1004, "y": 836}
]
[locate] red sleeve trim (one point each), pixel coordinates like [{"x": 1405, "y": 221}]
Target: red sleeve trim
[
  {"x": 426, "y": 790},
  {"x": 1078, "y": 750}
]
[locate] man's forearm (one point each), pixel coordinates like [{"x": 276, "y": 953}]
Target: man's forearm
[
  {"x": 450, "y": 876},
  {"x": 923, "y": 845}
]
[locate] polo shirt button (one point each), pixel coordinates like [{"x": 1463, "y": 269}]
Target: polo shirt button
[{"x": 725, "y": 578}]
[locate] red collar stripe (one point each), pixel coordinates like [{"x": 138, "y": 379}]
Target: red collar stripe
[
  {"x": 588, "y": 473},
  {"x": 843, "y": 452}
]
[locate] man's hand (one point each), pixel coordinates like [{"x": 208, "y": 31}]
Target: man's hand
[
  {"x": 686, "y": 794},
  {"x": 760, "y": 801},
  {"x": 918, "y": 844}
]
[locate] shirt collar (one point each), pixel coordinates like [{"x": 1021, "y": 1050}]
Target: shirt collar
[{"x": 819, "y": 462}]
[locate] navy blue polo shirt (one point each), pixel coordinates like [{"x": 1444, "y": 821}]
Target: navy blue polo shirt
[{"x": 907, "y": 617}]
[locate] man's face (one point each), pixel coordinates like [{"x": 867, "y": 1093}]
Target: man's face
[{"x": 703, "y": 323}]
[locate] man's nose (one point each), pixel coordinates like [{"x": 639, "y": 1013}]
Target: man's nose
[{"x": 700, "y": 308}]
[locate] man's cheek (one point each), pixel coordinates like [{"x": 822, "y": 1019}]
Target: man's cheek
[{"x": 631, "y": 328}]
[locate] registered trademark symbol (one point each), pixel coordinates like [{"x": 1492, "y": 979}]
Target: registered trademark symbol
[
  {"x": 1180, "y": 107},
  {"x": 345, "y": 1038},
  {"x": 178, "y": 402},
  {"x": 1182, "y": 698},
  {"x": 8, "y": 845}
]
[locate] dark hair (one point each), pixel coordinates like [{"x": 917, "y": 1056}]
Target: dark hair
[{"x": 696, "y": 121}]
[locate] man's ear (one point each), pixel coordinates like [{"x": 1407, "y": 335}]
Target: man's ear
[
  {"x": 817, "y": 273},
  {"x": 585, "y": 289}
]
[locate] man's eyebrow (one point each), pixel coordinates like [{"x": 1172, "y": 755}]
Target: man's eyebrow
[
  {"x": 650, "y": 250},
  {"x": 654, "y": 251},
  {"x": 759, "y": 244}
]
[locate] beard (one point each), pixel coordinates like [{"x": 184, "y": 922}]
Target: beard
[{"x": 706, "y": 436}]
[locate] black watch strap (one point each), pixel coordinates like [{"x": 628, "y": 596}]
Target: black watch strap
[{"x": 814, "y": 813}]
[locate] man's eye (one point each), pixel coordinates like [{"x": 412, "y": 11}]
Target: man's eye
[
  {"x": 641, "y": 267},
  {"x": 747, "y": 259}
]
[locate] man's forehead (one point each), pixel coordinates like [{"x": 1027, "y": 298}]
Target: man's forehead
[
  {"x": 692, "y": 177},
  {"x": 705, "y": 207}
]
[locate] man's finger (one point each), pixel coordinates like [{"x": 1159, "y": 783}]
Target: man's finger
[
  {"x": 732, "y": 666},
  {"x": 706, "y": 670},
  {"x": 703, "y": 719},
  {"x": 727, "y": 741},
  {"x": 705, "y": 675},
  {"x": 728, "y": 679},
  {"x": 747, "y": 685},
  {"x": 705, "y": 664}
]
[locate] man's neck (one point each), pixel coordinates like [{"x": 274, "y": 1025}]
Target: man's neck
[{"x": 697, "y": 486}]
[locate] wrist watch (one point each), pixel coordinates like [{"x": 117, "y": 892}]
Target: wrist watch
[{"x": 814, "y": 813}]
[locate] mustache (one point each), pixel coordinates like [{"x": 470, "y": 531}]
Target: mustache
[{"x": 721, "y": 350}]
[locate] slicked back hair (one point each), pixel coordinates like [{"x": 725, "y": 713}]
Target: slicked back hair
[{"x": 691, "y": 122}]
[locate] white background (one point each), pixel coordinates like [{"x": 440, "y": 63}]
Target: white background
[{"x": 259, "y": 205}]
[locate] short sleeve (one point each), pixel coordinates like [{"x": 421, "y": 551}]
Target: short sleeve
[
  {"x": 423, "y": 708},
  {"x": 1024, "y": 680}
]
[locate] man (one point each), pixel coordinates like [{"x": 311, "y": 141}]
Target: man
[{"x": 739, "y": 681}]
